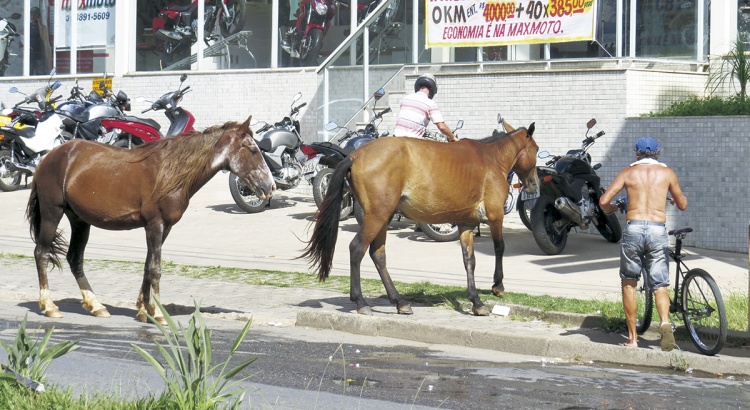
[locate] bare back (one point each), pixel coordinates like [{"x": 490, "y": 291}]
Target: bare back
[{"x": 647, "y": 187}]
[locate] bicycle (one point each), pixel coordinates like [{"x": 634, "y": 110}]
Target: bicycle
[{"x": 696, "y": 296}]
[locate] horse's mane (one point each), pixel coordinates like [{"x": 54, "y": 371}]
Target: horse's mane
[
  {"x": 497, "y": 135},
  {"x": 183, "y": 158}
]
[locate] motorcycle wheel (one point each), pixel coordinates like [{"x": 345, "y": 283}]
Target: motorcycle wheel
[
  {"x": 320, "y": 187},
  {"x": 609, "y": 227},
  {"x": 3, "y": 66},
  {"x": 244, "y": 197},
  {"x": 9, "y": 180},
  {"x": 524, "y": 212},
  {"x": 440, "y": 232},
  {"x": 236, "y": 21},
  {"x": 313, "y": 50},
  {"x": 543, "y": 218}
]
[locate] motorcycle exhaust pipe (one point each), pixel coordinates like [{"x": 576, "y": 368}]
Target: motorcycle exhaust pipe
[
  {"x": 166, "y": 35},
  {"x": 571, "y": 211},
  {"x": 26, "y": 169}
]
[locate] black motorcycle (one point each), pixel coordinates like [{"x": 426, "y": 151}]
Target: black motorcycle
[
  {"x": 284, "y": 153},
  {"x": 569, "y": 192},
  {"x": 333, "y": 153},
  {"x": 176, "y": 25}
]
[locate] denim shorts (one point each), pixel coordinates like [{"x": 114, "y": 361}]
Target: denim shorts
[{"x": 645, "y": 248}]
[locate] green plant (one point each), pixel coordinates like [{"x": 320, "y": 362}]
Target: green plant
[
  {"x": 679, "y": 362},
  {"x": 192, "y": 381},
  {"x": 734, "y": 66},
  {"x": 30, "y": 358}
]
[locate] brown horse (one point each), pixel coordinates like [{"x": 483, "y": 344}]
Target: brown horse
[
  {"x": 113, "y": 188},
  {"x": 462, "y": 182}
]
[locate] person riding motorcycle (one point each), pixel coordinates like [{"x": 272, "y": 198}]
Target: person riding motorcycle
[{"x": 418, "y": 109}]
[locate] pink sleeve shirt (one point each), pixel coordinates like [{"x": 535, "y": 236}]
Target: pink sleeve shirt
[{"x": 415, "y": 114}]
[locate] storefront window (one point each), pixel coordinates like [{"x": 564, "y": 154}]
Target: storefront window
[{"x": 666, "y": 28}]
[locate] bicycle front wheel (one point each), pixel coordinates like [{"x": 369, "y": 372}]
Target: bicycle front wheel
[{"x": 704, "y": 312}]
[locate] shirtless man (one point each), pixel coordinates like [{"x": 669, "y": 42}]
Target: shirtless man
[{"x": 644, "y": 244}]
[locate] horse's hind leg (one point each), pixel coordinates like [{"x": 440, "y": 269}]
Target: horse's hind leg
[
  {"x": 79, "y": 237},
  {"x": 44, "y": 253},
  {"x": 377, "y": 254}
]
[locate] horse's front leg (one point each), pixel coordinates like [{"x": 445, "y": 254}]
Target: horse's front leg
[
  {"x": 151, "y": 276},
  {"x": 79, "y": 237},
  {"x": 467, "y": 248},
  {"x": 496, "y": 230}
]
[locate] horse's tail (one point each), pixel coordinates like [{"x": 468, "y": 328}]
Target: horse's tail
[
  {"x": 323, "y": 241},
  {"x": 34, "y": 216}
]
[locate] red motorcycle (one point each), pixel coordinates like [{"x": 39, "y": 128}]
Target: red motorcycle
[
  {"x": 304, "y": 41},
  {"x": 176, "y": 25}
]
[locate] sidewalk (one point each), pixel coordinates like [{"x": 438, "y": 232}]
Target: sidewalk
[{"x": 215, "y": 233}]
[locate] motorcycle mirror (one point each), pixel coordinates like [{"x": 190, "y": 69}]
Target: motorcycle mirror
[
  {"x": 53, "y": 71},
  {"x": 379, "y": 94},
  {"x": 254, "y": 122},
  {"x": 13, "y": 90},
  {"x": 7, "y": 111},
  {"x": 543, "y": 154},
  {"x": 140, "y": 99},
  {"x": 296, "y": 97},
  {"x": 460, "y": 124},
  {"x": 499, "y": 118},
  {"x": 330, "y": 126},
  {"x": 591, "y": 123},
  {"x": 15, "y": 16},
  {"x": 183, "y": 78}
]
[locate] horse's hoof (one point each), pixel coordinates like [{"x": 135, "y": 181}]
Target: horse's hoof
[
  {"x": 141, "y": 315},
  {"x": 103, "y": 312},
  {"x": 365, "y": 311},
  {"x": 481, "y": 311},
  {"x": 54, "y": 313},
  {"x": 405, "y": 310},
  {"x": 160, "y": 320},
  {"x": 497, "y": 291}
]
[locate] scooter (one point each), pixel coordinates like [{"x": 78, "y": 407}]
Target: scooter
[
  {"x": 180, "y": 119},
  {"x": 7, "y": 33}
]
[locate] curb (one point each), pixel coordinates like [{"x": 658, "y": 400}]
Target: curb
[{"x": 566, "y": 347}]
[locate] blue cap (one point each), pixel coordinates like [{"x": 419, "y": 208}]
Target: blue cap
[{"x": 647, "y": 144}]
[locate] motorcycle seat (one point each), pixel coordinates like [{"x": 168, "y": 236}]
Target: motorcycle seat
[
  {"x": 181, "y": 8},
  {"x": 146, "y": 121},
  {"x": 333, "y": 147}
]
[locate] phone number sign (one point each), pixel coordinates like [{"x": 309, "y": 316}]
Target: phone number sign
[
  {"x": 95, "y": 21},
  {"x": 473, "y": 23}
]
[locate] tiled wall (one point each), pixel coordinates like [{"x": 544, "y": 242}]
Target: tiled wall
[{"x": 708, "y": 154}]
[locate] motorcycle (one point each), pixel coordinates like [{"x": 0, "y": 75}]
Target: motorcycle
[
  {"x": 305, "y": 40},
  {"x": 332, "y": 154},
  {"x": 7, "y": 33},
  {"x": 176, "y": 26},
  {"x": 180, "y": 119},
  {"x": 568, "y": 197},
  {"x": 289, "y": 160},
  {"x": 26, "y": 135}
]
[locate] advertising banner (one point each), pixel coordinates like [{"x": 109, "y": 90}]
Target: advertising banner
[
  {"x": 473, "y": 23},
  {"x": 96, "y": 23}
]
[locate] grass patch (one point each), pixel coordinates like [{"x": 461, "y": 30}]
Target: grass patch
[
  {"x": 430, "y": 294},
  {"x": 12, "y": 397}
]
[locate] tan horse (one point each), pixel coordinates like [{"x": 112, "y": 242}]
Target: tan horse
[
  {"x": 463, "y": 182},
  {"x": 117, "y": 189}
]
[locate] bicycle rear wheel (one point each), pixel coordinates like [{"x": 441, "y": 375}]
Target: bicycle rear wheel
[
  {"x": 644, "y": 308},
  {"x": 704, "y": 312}
]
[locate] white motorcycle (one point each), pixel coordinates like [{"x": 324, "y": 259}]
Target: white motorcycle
[
  {"x": 7, "y": 33},
  {"x": 26, "y": 135}
]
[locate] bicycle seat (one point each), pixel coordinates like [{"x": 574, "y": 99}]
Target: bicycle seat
[{"x": 681, "y": 232}]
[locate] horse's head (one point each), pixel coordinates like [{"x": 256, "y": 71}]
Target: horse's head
[
  {"x": 245, "y": 160},
  {"x": 525, "y": 166}
]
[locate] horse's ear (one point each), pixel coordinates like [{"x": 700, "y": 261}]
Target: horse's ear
[
  {"x": 246, "y": 124},
  {"x": 530, "y": 131}
]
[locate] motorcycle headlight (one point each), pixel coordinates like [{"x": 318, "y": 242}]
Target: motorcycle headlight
[{"x": 321, "y": 8}]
